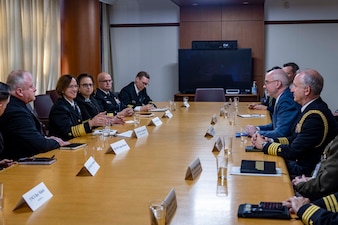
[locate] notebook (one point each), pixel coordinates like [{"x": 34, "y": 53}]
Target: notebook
[
  {"x": 258, "y": 166},
  {"x": 73, "y": 146},
  {"x": 37, "y": 161}
]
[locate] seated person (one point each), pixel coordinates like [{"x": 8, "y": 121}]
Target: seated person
[
  {"x": 107, "y": 100},
  {"x": 286, "y": 109},
  {"x": 20, "y": 129},
  {"x": 323, "y": 211},
  {"x": 65, "y": 119},
  {"x": 4, "y": 99},
  {"x": 135, "y": 94},
  {"x": 323, "y": 181},
  {"x": 267, "y": 102},
  {"x": 88, "y": 105},
  {"x": 316, "y": 127}
]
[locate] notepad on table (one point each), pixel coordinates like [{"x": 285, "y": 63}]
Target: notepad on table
[
  {"x": 258, "y": 166},
  {"x": 73, "y": 146}
]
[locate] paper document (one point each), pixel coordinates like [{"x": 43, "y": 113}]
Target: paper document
[
  {"x": 235, "y": 170},
  {"x": 251, "y": 115}
]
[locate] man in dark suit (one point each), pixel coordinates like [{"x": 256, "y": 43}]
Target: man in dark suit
[
  {"x": 135, "y": 93},
  {"x": 107, "y": 99},
  {"x": 20, "y": 128},
  {"x": 315, "y": 127}
]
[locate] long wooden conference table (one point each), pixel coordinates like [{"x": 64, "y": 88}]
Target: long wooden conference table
[{"x": 120, "y": 190}]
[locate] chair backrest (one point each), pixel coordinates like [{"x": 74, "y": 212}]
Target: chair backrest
[
  {"x": 42, "y": 106},
  {"x": 209, "y": 95},
  {"x": 54, "y": 96}
]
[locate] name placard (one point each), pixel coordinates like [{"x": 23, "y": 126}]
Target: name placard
[
  {"x": 218, "y": 146},
  {"x": 171, "y": 205},
  {"x": 167, "y": 114},
  {"x": 36, "y": 197},
  {"x": 194, "y": 169},
  {"x": 90, "y": 168},
  {"x": 128, "y": 134},
  {"x": 210, "y": 132},
  {"x": 118, "y": 147},
  {"x": 155, "y": 122},
  {"x": 214, "y": 119},
  {"x": 141, "y": 132}
]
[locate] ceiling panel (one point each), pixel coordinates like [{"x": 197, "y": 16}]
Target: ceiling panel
[{"x": 217, "y": 2}]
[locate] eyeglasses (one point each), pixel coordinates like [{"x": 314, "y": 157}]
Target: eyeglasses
[
  {"x": 73, "y": 86},
  {"x": 87, "y": 85},
  {"x": 105, "y": 81},
  {"x": 145, "y": 84},
  {"x": 266, "y": 82}
]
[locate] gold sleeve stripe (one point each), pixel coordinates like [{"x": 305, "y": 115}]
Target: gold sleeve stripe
[
  {"x": 283, "y": 140},
  {"x": 308, "y": 213},
  {"x": 326, "y": 125},
  {"x": 331, "y": 203},
  {"x": 273, "y": 148},
  {"x": 78, "y": 130}
]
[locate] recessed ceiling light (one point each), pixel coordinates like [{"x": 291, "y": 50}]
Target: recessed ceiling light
[
  {"x": 195, "y": 3},
  {"x": 245, "y": 3}
]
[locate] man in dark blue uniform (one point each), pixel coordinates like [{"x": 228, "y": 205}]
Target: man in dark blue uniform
[{"x": 314, "y": 129}]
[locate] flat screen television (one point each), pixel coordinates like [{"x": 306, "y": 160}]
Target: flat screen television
[{"x": 228, "y": 69}]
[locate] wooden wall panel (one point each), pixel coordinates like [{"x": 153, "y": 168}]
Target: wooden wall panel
[
  {"x": 80, "y": 37},
  {"x": 206, "y": 13},
  {"x": 189, "y": 31},
  {"x": 244, "y": 23}
]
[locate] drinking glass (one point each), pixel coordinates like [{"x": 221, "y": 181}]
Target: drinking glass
[
  {"x": 137, "y": 119},
  {"x": 222, "y": 166},
  {"x": 157, "y": 212}
]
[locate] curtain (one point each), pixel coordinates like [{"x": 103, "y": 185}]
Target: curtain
[
  {"x": 30, "y": 40},
  {"x": 106, "y": 51}
]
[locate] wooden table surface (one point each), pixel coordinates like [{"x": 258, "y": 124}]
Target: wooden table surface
[{"x": 121, "y": 189}]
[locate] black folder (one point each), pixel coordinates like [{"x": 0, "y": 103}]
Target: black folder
[{"x": 258, "y": 166}]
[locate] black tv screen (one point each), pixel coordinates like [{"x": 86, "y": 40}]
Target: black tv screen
[{"x": 228, "y": 69}]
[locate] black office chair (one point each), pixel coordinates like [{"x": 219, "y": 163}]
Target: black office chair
[
  {"x": 42, "y": 106},
  {"x": 209, "y": 95},
  {"x": 54, "y": 96}
]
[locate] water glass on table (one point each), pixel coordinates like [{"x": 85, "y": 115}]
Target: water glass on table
[
  {"x": 157, "y": 209},
  {"x": 222, "y": 166}
]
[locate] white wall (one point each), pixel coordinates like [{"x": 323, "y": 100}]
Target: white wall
[
  {"x": 152, "y": 49},
  {"x": 309, "y": 45}
]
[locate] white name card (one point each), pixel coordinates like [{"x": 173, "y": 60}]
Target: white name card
[
  {"x": 210, "y": 132},
  {"x": 155, "y": 122},
  {"x": 171, "y": 205},
  {"x": 90, "y": 167},
  {"x": 167, "y": 114},
  {"x": 118, "y": 147},
  {"x": 194, "y": 169},
  {"x": 214, "y": 119},
  {"x": 218, "y": 145},
  {"x": 36, "y": 197},
  {"x": 128, "y": 134},
  {"x": 141, "y": 132}
]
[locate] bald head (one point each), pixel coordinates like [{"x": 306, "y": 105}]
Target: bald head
[{"x": 104, "y": 81}]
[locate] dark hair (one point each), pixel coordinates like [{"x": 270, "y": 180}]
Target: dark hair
[
  {"x": 84, "y": 75},
  {"x": 274, "y": 68},
  {"x": 4, "y": 91},
  {"x": 294, "y": 66},
  {"x": 63, "y": 83},
  {"x": 142, "y": 74}
]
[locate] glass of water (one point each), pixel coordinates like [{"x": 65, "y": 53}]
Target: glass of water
[{"x": 157, "y": 210}]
